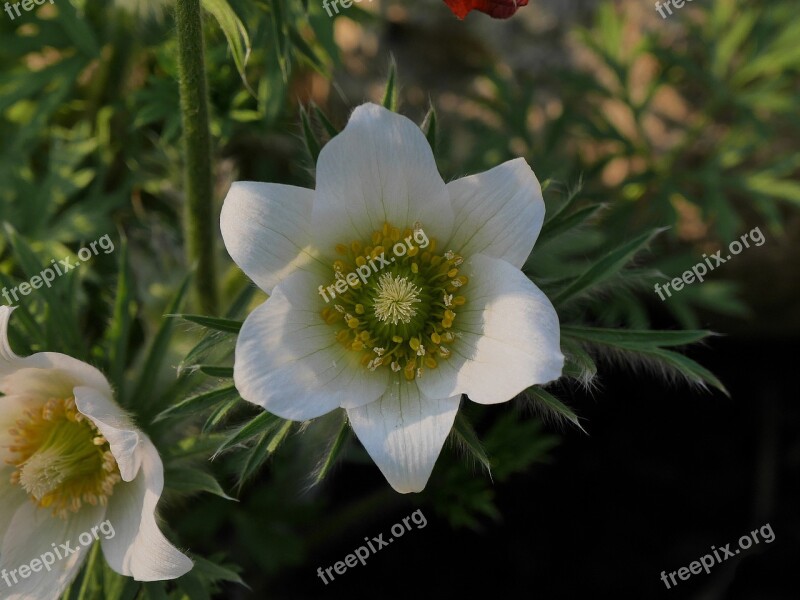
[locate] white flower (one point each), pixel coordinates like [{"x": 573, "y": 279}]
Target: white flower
[
  {"x": 455, "y": 317},
  {"x": 72, "y": 459}
]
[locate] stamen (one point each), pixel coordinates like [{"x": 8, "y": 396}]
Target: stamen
[
  {"x": 62, "y": 459},
  {"x": 401, "y": 311},
  {"x": 396, "y": 298}
]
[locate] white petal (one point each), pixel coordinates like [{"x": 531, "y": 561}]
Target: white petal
[
  {"x": 499, "y": 213},
  {"x": 33, "y": 533},
  {"x": 288, "y": 359},
  {"x": 265, "y": 227},
  {"x": 509, "y": 337},
  {"x": 404, "y": 433},
  {"x": 116, "y": 426},
  {"x": 12, "y": 497},
  {"x": 137, "y": 547},
  {"x": 25, "y": 376},
  {"x": 380, "y": 168}
]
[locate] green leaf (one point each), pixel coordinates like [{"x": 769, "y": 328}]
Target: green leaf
[
  {"x": 118, "y": 334},
  {"x": 264, "y": 422},
  {"x": 551, "y": 405},
  {"x": 267, "y": 443},
  {"x": 219, "y": 414},
  {"x": 635, "y": 339},
  {"x": 326, "y": 122},
  {"x": 212, "y": 572},
  {"x": 646, "y": 346},
  {"x": 573, "y": 192},
  {"x": 605, "y": 267},
  {"x": 578, "y": 365},
  {"x": 690, "y": 369},
  {"x": 144, "y": 395},
  {"x": 215, "y": 323},
  {"x": 313, "y": 146},
  {"x": 556, "y": 227},
  {"x": 235, "y": 32},
  {"x": 429, "y": 126},
  {"x": 464, "y": 435},
  {"x": 191, "y": 481},
  {"x": 390, "y": 95},
  {"x": 214, "y": 371},
  {"x": 199, "y": 403},
  {"x": 62, "y": 330},
  {"x": 333, "y": 451},
  {"x": 307, "y": 51}
]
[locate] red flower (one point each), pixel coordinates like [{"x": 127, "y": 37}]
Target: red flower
[{"x": 497, "y": 9}]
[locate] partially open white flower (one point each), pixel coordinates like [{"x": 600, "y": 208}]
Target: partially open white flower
[
  {"x": 72, "y": 459},
  {"x": 397, "y": 349}
]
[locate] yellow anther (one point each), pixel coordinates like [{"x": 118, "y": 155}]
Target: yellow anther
[
  {"x": 394, "y": 234},
  {"x": 452, "y": 273},
  {"x": 413, "y": 251},
  {"x": 359, "y": 309},
  {"x": 364, "y": 335},
  {"x": 414, "y": 343},
  {"x": 459, "y": 301},
  {"x": 436, "y": 261},
  {"x": 397, "y": 339},
  {"x": 376, "y": 237},
  {"x": 414, "y": 267},
  {"x": 386, "y": 229},
  {"x": 356, "y": 247},
  {"x": 341, "y": 249},
  {"x": 436, "y": 338},
  {"x": 357, "y": 345},
  {"x": 343, "y": 336},
  {"x": 377, "y": 251},
  {"x": 450, "y": 315},
  {"x": 361, "y": 261},
  {"x": 353, "y": 323},
  {"x": 430, "y": 362}
]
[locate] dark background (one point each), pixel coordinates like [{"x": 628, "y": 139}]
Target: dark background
[{"x": 664, "y": 474}]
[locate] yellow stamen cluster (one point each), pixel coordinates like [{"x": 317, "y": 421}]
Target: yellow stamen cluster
[
  {"x": 401, "y": 317},
  {"x": 62, "y": 461}
]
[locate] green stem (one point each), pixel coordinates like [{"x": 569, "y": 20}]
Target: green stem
[
  {"x": 199, "y": 205},
  {"x": 88, "y": 578}
]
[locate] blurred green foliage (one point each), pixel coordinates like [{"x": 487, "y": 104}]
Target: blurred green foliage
[{"x": 691, "y": 125}]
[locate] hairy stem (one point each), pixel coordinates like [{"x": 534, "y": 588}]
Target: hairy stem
[{"x": 199, "y": 203}]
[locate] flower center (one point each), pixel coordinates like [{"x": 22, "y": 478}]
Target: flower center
[
  {"x": 62, "y": 460},
  {"x": 393, "y": 300}
]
